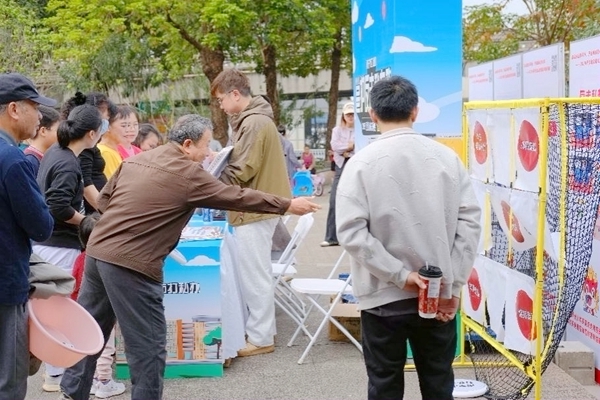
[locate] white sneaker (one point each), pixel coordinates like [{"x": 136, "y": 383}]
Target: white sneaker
[
  {"x": 94, "y": 386},
  {"x": 51, "y": 383},
  {"x": 108, "y": 389}
]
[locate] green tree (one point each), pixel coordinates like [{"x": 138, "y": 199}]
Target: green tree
[
  {"x": 288, "y": 38},
  {"x": 20, "y": 49},
  {"x": 338, "y": 54},
  {"x": 133, "y": 44},
  {"x": 489, "y": 32}
]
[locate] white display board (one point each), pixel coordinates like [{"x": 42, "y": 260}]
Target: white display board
[
  {"x": 508, "y": 83},
  {"x": 544, "y": 72},
  {"x": 481, "y": 82},
  {"x": 584, "y": 68},
  {"x": 584, "y": 325}
]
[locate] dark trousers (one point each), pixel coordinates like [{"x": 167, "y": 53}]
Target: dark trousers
[
  {"x": 14, "y": 351},
  {"x": 330, "y": 230},
  {"x": 110, "y": 293},
  {"x": 433, "y": 345}
]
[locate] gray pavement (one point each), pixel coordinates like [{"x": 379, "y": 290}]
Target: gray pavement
[{"x": 332, "y": 370}]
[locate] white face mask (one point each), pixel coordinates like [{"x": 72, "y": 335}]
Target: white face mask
[{"x": 103, "y": 128}]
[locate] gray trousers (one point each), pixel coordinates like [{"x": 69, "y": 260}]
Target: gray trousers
[
  {"x": 330, "y": 230},
  {"x": 110, "y": 293},
  {"x": 14, "y": 351}
]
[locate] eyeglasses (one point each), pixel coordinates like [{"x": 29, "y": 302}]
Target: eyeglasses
[
  {"x": 128, "y": 125},
  {"x": 220, "y": 99}
]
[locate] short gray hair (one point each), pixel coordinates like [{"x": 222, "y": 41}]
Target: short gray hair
[
  {"x": 4, "y": 107},
  {"x": 191, "y": 126}
]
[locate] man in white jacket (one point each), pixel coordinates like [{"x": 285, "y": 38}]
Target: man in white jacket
[{"x": 403, "y": 202}]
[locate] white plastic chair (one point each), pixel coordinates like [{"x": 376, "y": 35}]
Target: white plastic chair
[
  {"x": 283, "y": 270},
  {"x": 312, "y": 289}
]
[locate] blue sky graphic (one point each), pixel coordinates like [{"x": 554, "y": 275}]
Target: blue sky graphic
[
  {"x": 208, "y": 301},
  {"x": 430, "y": 35}
]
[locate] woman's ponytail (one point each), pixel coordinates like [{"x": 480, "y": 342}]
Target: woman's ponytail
[{"x": 64, "y": 133}]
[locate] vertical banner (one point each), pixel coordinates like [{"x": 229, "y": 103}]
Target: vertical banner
[
  {"x": 473, "y": 295},
  {"x": 584, "y": 324},
  {"x": 485, "y": 220},
  {"x": 499, "y": 123},
  {"x": 494, "y": 286},
  {"x": 417, "y": 41},
  {"x": 527, "y": 151},
  {"x": 544, "y": 72},
  {"x": 517, "y": 216},
  {"x": 584, "y": 68},
  {"x": 508, "y": 84},
  {"x": 524, "y": 207},
  {"x": 521, "y": 331},
  {"x": 480, "y": 155},
  {"x": 481, "y": 82}
]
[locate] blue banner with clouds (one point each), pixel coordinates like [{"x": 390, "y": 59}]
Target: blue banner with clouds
[{"x": 421, "y": 41}]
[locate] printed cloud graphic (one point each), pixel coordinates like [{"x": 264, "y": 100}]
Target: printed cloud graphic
[
  {"x": 402, "y": 44},
  {"x": 427, "y": 111},
  {"x": 197, "y": 261},
  {"x": 369, "y": 21},
  {"x": 452, "y": 98},
  {"x": 201, "y": 260},
  {"x": 354, "y": 13}
]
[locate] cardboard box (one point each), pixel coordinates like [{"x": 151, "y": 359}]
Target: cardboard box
[{"x": 349, "y": 316}]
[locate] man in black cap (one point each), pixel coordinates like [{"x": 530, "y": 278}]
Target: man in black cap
[{"x": 24, "y": 216}]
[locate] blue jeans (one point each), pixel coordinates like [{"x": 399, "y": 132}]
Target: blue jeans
[
  {"x": 109, "y": 292},
  {"x": 14, "y": 351}
]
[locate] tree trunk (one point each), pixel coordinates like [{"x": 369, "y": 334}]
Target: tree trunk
[
  {"x": 212, "y": 65},
  {"x": 270, "y": 73},
  {"x": 336, "y": 66}
]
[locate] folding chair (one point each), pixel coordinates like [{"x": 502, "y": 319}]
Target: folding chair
[
  {"x": 312, "y": 289},
  {"x": 283, "y": 270}
]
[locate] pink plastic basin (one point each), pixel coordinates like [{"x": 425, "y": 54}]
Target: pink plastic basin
[{"x": 61, "y": 332}]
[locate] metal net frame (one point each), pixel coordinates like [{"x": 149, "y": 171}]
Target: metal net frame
[{"x": 570, "y": 195}]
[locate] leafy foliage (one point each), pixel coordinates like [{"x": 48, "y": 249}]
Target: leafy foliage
[
  {"x": 489, "y": 32},
  {"x": 20, "y": 47}
]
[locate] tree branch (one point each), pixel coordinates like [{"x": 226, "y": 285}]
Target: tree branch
[
  {"x": 556, "y": 21},
  {"x": 184, "y": 33}
]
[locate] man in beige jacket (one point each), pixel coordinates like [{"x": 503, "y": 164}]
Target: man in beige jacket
[{"x": 256, "y": 162}]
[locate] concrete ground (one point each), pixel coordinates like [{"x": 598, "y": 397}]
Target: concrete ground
[{"x": 332, "y": 370}]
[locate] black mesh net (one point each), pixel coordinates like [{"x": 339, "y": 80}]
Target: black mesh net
[{"x": 581, "y": 200}]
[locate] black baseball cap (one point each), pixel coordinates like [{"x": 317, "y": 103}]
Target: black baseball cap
[{"x": 16, "y": 87}]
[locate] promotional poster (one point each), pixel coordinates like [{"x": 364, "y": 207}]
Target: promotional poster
[
  {"x": 406, "y": 38},
  {"x": 584, "y": 68},
  {"x": 544, "y": 72},
  {"x": 481, "y": 82},
  {"x": 508, "y": 82}
]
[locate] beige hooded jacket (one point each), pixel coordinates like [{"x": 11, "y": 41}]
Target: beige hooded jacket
[{"x": 257, "y": 160}]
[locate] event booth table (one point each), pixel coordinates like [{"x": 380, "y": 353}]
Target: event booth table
[{"x": 203, "y": 305}]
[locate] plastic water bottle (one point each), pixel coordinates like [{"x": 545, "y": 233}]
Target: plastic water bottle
[
  {"x": 207, "y": 215},
  {"x": 347, "y": 298}
]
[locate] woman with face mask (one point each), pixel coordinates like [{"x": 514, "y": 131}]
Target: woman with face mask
[
  {"x": 91, "y": 161},
  {"x": 60, "y": 180}
]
